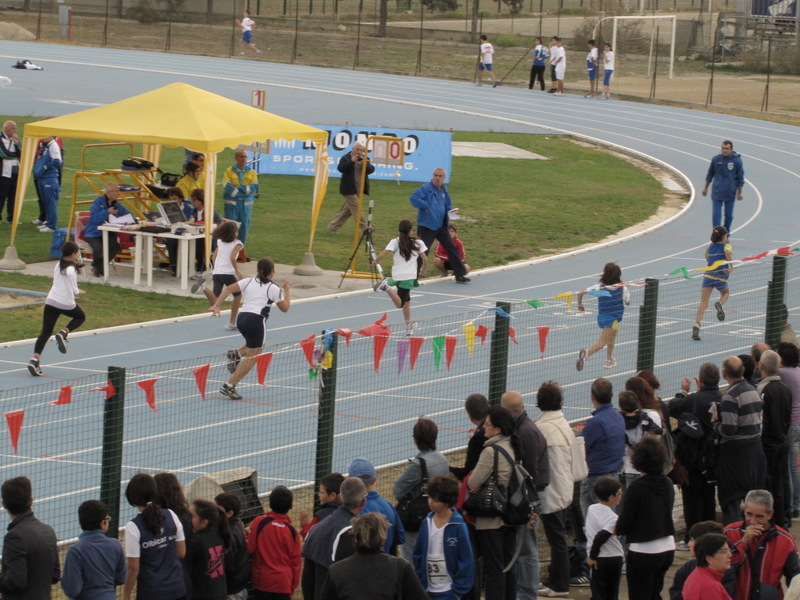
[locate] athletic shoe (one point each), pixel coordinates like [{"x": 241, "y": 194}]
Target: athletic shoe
[
  {"x": 494, "y": 85},
  {"x": 552, "y": 91},
  {"x": 230, "y": 392},
  {"x": 37, "y": 222},
  {"x": 610, "y": 363},
  {"x": 197, "y": 277},
  {"x": 696, "y": 333},
  {"x": 260, "y": 54},
  {"x": 381, "y": 286},
  {"x": 241, "y": 53},
  {"x": 199, "y": 286},
  {"x": 233, "y": 360},
  {"x": 333, "y": 231},
  {"x": 579, "y": 581},
  {"x": 231, "y": 327},
  {"x": 589, "y": 96},
  {"x": 61, "y": 342},
  {"x": 34, "y": 368},
  {"x": 463, "y": 280},
  {"x": 720, "y": 312},
  {"x": 581, "y": 359},
  {"x": 682, "y": 546},
  {"x": 548, "y": 593},
  {"x": 478, "y": 85},
  {"x": 45, "y": 229},
  {"x": 558, "y": 94},
  {"x": 411, "y": 328}
]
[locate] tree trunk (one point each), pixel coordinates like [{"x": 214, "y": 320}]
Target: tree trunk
[
  {"x": 209, "y": 10},
  {"x": 383, "y": 18},
  {"x": 26, "y": 6},
  {"x": 475, "y": 7}
]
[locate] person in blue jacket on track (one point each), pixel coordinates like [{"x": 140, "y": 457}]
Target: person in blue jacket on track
[{"x": 727, "y": 173}]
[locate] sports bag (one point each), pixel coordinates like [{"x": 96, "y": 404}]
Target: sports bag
[
  {"x": 523, "y": 499},
  {"x": 135, "y": 163},
  {"x": 491, "y": 499},
  {"x": 580, "y": 468},
  {"x": 412, "y": 511},
  {"x": 170, "y": 179}
]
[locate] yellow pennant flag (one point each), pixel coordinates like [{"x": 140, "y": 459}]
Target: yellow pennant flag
[
  {"x": 327, "y": 362},
  {"x": 614, "y": 325},
  {"x": 469, "y": 335},
  {"x": 716, "y": 265},
  {"x": 568, "y": 297}
]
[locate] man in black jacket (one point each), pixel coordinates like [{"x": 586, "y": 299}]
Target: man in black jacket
[
  {"x": 477, "y": 407},
  {"x": 330, "y": 541},
  {"x": 350, "y": 166},
  {"x": 537, "y": 464},
  {"x": 30, "y": 564},
  {"x": 699, "y": 500},
  {"x": 777, "y": 399}
]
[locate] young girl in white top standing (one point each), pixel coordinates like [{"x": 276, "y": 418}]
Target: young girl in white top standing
[
  {"x": 60, "y": 301},
  {"x": 260, "y": 294},
  {"x": 608, "y": 64},
  {"x": 406, "y": 250},
  {"x": 226, "y": 270}
]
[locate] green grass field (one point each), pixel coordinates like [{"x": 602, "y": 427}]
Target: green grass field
[{"x": 511, "y": 209}]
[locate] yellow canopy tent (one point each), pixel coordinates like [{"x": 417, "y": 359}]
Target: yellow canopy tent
[{"x": 175, "y": 115}]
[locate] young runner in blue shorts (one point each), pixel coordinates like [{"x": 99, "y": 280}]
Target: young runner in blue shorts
[{"x": 718, "y": 250}]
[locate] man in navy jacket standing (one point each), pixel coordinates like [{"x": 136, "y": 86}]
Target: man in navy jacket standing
[
  {"x": 433, "y": 205},
  {"x": 727, "y": 173}
]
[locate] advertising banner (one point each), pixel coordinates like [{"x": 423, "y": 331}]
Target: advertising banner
[{"x": 424, "y": 151}]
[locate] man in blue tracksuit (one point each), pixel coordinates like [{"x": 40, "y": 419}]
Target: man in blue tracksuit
[
  {"x": 433, "y": 205},
  {"x": 46, "y": 170},
  {"x": 727, "y": 173}
]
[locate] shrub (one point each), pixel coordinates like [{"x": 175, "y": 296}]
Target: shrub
[{"x": 143, "y": 11}]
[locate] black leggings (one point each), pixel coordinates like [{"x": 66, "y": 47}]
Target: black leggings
[
  {"x": 537, "y": 72},
  {"x": 51, "y": 314}
]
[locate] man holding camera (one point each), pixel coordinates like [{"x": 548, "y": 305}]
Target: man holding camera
[
  {"x": 350, "y": 166},
  {"x": 103, "y": 207}
]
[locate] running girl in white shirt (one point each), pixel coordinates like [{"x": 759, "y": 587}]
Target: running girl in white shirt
[
  {"x": 226, "y": 270},
  {"x": 260, "y": 294},
  {"x": 247, "y": 25},
  {"x": 60, "y": 301},
  {"x": 406, "y": 250}
]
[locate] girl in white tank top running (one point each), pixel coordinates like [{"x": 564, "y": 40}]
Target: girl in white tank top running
[{"x": 226, "y": 270}]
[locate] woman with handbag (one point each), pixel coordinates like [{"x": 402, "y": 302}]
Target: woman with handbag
[
  {"x": 496, "y": 539},
  {"x": 408, "y": 490},
  {"x": 558, "y": 495}
]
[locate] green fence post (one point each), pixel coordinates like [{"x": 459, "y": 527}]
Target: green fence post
[
  {"x": 325, "y": 418},
  {"x": 111, "y": 469},
  {"x": 776, "y": 290},
  {"x": 498, "y": 358},
  {"x": 646, "y": 348}
]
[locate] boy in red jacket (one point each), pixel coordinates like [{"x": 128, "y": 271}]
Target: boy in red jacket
[{"x": 274, "y": 547}]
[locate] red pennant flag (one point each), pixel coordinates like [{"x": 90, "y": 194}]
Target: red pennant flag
[
  {"x": 543, "y": 331},
  {"x": 108, "y": 389},
  {"x": 262, "y": 366},
  {"x": 345, "y": 333},
  {"x": 378, "y": 344},
  {"x": 308, "y": 349},
  {"x": 416, "y": 344},
  {"x": 513, "y": 335},
  {"x": 756, "y": 257},
  {"x": 481, "y": 332},
  {"x": 201, "y": 377},
  {"x": 785, "y": 251},
  {"x": 65, "y": 397},
  {"x": 14, "y": 420},
  {"x": 450, "y": 348},
  {"x": 149, "y": 387},
  {"x": 377, "y": 328}
]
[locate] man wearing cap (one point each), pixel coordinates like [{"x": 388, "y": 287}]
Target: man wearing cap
[
  {"x": 328, "y": 542},
  {"x": 365, "y": 471}
]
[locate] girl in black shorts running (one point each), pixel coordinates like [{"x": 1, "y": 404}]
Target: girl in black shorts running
[
  {"x": 260, "y": 294},
  {"x": 226, "y": 270}
]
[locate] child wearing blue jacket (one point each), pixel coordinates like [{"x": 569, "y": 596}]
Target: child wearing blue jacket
[{"x": 443, "y": 555}]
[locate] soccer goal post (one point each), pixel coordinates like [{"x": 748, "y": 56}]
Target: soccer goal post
[{"x": 671, "y": 18}]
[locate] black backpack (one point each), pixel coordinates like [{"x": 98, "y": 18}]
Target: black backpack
[{"x": 523, "y": 499}]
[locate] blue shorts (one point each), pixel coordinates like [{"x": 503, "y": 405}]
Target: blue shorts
[
  {"x": 604, "y": 321},
  {"x": 592, "y": 70},
  {"x": 607, "y": 77},
  {"x": 247, "y": 37},
  {"x": 487, "y": 67},
  {"x": 717, "y": 284},
  {"x": 253, "y": 328}
]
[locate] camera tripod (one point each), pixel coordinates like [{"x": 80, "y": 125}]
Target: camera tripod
[{"x": 369, "y": 248}]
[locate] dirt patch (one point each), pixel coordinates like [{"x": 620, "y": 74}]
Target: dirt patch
[
  {"x": 15, "y": 33},
  {"x": 17, "y": 299}
]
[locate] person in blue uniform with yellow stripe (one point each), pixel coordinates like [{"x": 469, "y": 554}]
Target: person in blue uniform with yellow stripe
[
  {"x": 718, "y": 255},
  {"x": 613, "y": 296}
]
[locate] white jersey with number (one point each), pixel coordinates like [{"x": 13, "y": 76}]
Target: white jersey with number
[
  {"x": 438, "y": 579},
  {"x": 487, "y": 50}
]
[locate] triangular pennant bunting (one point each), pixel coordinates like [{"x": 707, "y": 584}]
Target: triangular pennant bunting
[
  {"x": 308, "y": 349},
  {"x": 201, "y": 377},
  {"x": 568, "y": 297},
  {"x": 14, "y": 420},
  {"x": 543, "y": 331},
  {"x": 438, "y": 346},
  {"x": 108, "y": 389},
  {"x": 402, "y": 351},
  {"x": 262, "y": 366},
  {"x": 64, "y": 397},
  {"x": 535, "y": 303},
  {"x": 482, "y": 332},
  {"x": 513, "y": 335},
  {"x": 416, "y": 344},
  {"x": 378, "y": 344},
  {"x": 683, "y": 271},
  {"x": 469, "y": 336},
  {"x": 450, "y": 342},
  {"x": 345, "y": 333},
  {"x": 149, "y": 387}
]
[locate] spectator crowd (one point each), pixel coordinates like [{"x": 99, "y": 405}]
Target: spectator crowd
[{"x": 452, "y": 530}]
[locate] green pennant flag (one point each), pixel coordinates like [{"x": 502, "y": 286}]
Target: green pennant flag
[
  {"x": 438, "y": 346},
  {"x": 795, "y": 249},
  {"x": 535, "y": 303},
  {"x": 682, "y": 271},
  {"x": 312, "y": 374}
]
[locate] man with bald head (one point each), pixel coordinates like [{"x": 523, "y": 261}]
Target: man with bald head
[
  {"x": 433, "y": 205},
  {"x": 537, "y": 464},
  {"x": 755, "y": 351},
  {"x": 102, "y": 208},
  {"x": 10, "y": 151},
  {"x": 741, "y": 465}
]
